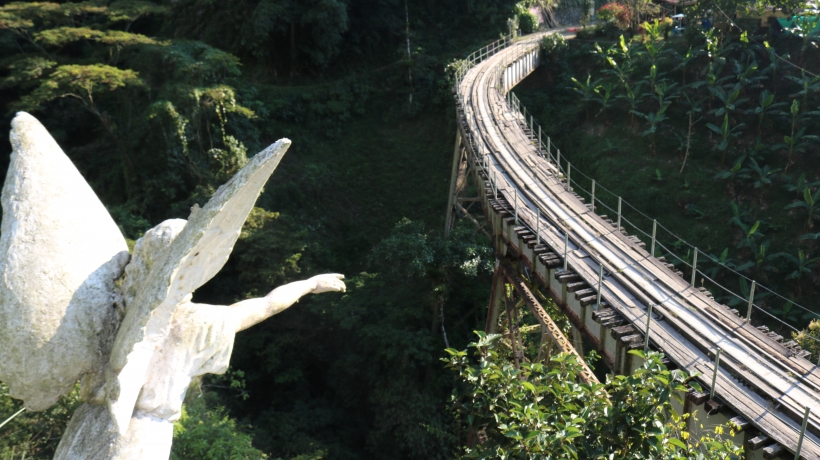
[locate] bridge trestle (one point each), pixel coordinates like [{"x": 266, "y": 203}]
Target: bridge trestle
[{"x": 573, "y": 255}]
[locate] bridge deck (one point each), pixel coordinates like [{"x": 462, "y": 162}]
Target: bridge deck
[{"x": 758, "y": 377}]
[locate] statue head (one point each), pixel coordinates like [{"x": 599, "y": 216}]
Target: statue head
[{"x": 147, "y": 250}]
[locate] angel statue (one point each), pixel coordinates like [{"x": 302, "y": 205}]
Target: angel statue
[{"x": 75, "y": 306}]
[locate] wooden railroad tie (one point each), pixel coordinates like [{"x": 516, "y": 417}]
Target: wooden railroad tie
[{"x": 757, "y": 442}]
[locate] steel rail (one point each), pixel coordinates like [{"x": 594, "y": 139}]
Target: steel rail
[{"x": 634, "y": 279}]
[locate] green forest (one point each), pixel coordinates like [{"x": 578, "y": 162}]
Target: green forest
[{"x": 714, "y": 133}]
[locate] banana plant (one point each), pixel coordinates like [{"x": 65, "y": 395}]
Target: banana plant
[
  {"x": 665, "y": 93},
  {"x": 730, "y": 99},
  {"x": 810, "y": 204},
  {"x": 586, "y": 90},
  {"x": 723, "y": 260},
  {"x": 751, "y": 236},
  {"x": 621, "y": 58},
  {"x": 798, "y": 141},
  {"x": 739, "y": 217},
  {"x": 801, "y": 265},
  {"x": 603, "y": 96},
  {"x": 789, "y": 314},
  {"x": 800, "y": 184},
  {"x": 736, "y": 172},
  {"x": 764, "y": 174},
  {"x": 684, "y": 60},
  {"x": 786, "y": 313},
  {"x": 622, "y": 71},
  {"x": 726, "y": 133},
  {"x": 633, "y": 96},
  {"x": 653, "y": 75},
  {"x": 653, "y": 32},
  {"x": 774, "y": 62},
  {"x": 810, "y": 236},
  {"x": 654, "y": 46},
  {"x": 747, "y": 74},
  {"x": 809, "y": 84},
  {"x": 766, "y": 103},
  {"x": 763, "y": 260},
  {"x": 745, "y": 291},
  {"x": 654, "y": 119}
]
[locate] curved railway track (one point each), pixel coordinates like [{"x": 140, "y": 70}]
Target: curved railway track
[{"x": 758, "y": 377}]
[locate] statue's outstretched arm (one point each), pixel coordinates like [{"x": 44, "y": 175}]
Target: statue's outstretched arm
[{"x": 253, "y": 311}]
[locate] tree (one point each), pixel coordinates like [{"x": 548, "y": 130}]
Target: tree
[
  {"x": 155, "y": 118},
  {"x": 640, "y": 9},
  {"x": 541, "y": 411}
]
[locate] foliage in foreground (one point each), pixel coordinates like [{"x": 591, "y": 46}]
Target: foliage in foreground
[
  {"x": 33, "y": 434},
  {"x": 541, "y": 411},
  {"x": 206, "y": 432}
]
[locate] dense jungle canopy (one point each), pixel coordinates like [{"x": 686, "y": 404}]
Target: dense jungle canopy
[{"x": 159, "y": 102}]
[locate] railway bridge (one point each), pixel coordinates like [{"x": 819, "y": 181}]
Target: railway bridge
[{"x": 551, "y": 242}]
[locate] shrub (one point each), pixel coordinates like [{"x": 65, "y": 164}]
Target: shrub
[
  {"x": 617, "y": 13},
  {"x": 527, "y": 22},
  {"x": 553, "y": 44}
]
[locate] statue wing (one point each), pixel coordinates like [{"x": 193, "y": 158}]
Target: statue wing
[
  {"x": 194, "y": 257},
  {"x": 60, "y": 253}
]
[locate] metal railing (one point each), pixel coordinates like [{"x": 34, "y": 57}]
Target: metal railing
[{"x": 553, "y": 155}]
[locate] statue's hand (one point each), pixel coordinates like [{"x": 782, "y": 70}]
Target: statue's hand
[{"x": 329, "y": 282}]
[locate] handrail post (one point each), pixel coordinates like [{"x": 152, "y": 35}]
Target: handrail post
[
  {"x": 619, "y": 214},
  {"x": 648, "y": 325},
  {"x": 537, "y": 225},
  {"x": 593, "y": 195},
  {"x": 600, "y": 285},
  {"x": 694, "y": 267},
  {"x": 569, "y": 176},
  {"x": 549, "y": 153},
  {"x": 558, "y": 161},
  {"x": 715, "y": 374},
  {"x": 566, "y": 246},
  {"x": 654, "y": 232},
  {"x": 515, "y": 193},
  {"x": 802, "y": 433},
  {"x": 751, "y": 301}
]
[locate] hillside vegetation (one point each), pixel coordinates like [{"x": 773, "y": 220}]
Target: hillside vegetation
[
  {"x": 159, "y": 102},
  {"x": 714, "y": 134}
]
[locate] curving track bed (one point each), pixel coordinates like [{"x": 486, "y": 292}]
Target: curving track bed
[{"x": 758, "y": 377}]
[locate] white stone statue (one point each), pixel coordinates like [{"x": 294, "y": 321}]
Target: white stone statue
[{"x": 75, "y": 306}]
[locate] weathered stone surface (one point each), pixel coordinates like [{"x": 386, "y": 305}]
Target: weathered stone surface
[
  {"x": 194, "y": 257},
  {"x": 60, "y": 253}
]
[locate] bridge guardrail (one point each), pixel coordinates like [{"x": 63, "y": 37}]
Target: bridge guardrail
[
  {"x": 514, "y": 104},
  {"x": 737, "y": 299}
]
